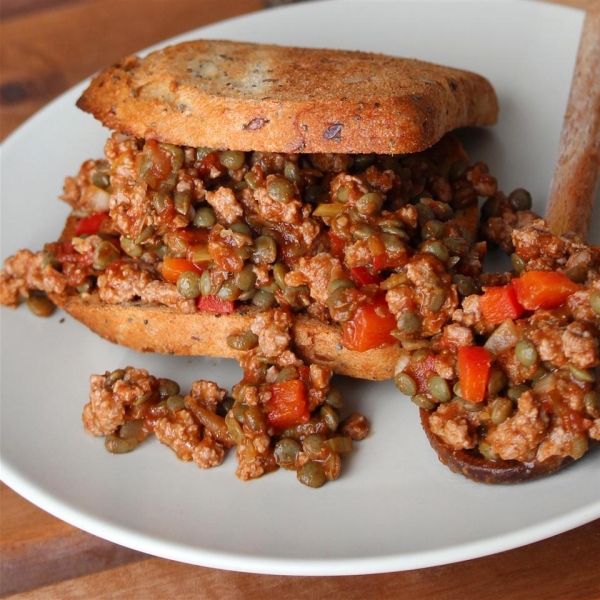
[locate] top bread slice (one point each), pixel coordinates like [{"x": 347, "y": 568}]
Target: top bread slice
[{"x": 244, "y": 96}]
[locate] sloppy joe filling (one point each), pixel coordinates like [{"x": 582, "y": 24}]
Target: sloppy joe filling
[{"x": 386, "y": 247}]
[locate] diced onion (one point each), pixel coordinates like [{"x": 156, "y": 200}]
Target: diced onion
[
  {"x": 504, "y": 337},
  {"x": 545, "y": 384},
  {"x": 96, "y": 198},
  {"x": 402, "y": 362}
]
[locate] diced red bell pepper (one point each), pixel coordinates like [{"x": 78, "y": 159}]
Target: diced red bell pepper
[
  {"x": 172, "y": 268},
  {"x": 364, "y": 276},
  {"x": 91, "y": 224},
  {"x": 288, "y": 404},
  {"x": 370, "y": 327},
  {"x": 337, "y": 245},
  {"x": 500, "y": 303},
  {"x": 474, "y": 364},
  {"x": 215, "y": 304},
  {"x": 543, "y": 289}
]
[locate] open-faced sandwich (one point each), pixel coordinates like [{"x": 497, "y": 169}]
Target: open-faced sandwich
[{"x": 255, "y": 199}]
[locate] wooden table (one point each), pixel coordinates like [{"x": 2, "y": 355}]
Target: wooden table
[{"x": 43, "y": 557}]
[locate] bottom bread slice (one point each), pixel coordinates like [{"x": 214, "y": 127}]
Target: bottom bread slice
[
  {"x": 478, "y": 468},
  {"x": 153, "y": 328}
]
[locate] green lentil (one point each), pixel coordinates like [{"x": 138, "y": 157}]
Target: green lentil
[
  {"x": 586, "y": 375},
  {"x": 520, "y": 199},
  {"x": 406, "y": 384},
  {"x": 188, "y": 284},
  {"x": 369, "y": 204},
  {"x": 204, "y": 217},
  {"x": 501, "y": 410},
  {"x": 281, "y": 190},
  {"x": 167, "y": 387},
  {"x": 334, "y": 398},
  {"x": 409, "y": 323},
  {"x": 232, "y": 159},
  {"x": 595, "y": 301},
  {"x": 592, "y": 402},
  {"x": 423, "y": 401},
  {"x": 286, "y": 453},
  {"x": 131, "y": 248},
  {"x": 526, "y": 353},
  {"x": 516, "y": 391},
  {"x": 104, "y": 254},
  {"x": 312, "y": 474},
  {"x": 265, "y": 249},
  {"x": 439, "y": 388},
  {"x": 517, "y": 262},
  {"x": 243, "y": 341},
  {"x": 40, "y": 306}
]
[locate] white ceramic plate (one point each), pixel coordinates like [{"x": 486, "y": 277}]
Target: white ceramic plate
[{"x": 395, "y": 507}]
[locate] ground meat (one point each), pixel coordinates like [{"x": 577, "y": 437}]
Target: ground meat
[
  {"x": 180, "y": 432},
  {"x": 110, "y": 397},
  {"x": 259, "y": 202},
  {"x": 225, "y": 205},
  {"x": 207, "y": 394},
  {"x": 580, "y": 345},
  {"x": 24, "y": 272},
  {"x": 453, "y": 427},
  {"x": 123, "y": 282},
  {"x": 498, "y": 230},
  {"x": 539, "y": 248},
  {"x": 430, "y": 280},
  {"x": 355, "y": 426},
  {"x": 455, "y": 336},
  {"x": 75, "y": 187},
  {"x": 273, "y": 331},
  {"x": 103, "y": 413},
  {"x": 317, "y": 272},
  {"x": 128, "y": 281},
  {"x": 470, "y": 315},
  {"x": 559, "y": 442},
  {"x": 519, "y": 436},
  {"x": 208, "y": 453}
]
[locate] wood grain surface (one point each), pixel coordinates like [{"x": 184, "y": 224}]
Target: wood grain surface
[{"x": 42, "y": 557}]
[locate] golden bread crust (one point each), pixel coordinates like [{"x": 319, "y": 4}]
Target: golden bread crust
[
  {"x": 242, "y": 96},
  {"x": 150, "y": 328}
]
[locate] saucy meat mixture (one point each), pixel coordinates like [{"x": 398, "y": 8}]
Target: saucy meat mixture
[
  {"x": 381, "y": 246},
  {"x": 282, "y": 414}
]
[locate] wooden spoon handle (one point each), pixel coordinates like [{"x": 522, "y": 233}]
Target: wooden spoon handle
[{"x": 576, "y": 174}]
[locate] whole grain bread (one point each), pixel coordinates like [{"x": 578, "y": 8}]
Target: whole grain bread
[{"x": 243, "y": 96}]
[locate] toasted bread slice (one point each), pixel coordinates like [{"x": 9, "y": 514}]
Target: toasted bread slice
[
  {"x": 151, "y": 328},
  {"x": 243, "y": 96},
  {"x": 478, "y": 468}
]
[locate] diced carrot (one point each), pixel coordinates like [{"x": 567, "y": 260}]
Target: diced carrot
[
  {"x": 215, "y": 304},
  {"x": 90, "y": 225},
  {"x": 370, "y": 327},
  {"x": 288, "y": 404},
  {"x": 500, "y": 303},
  {"x": 172, "y": 268},
  {"x": 474, "y": 363},
  {"x": 543, "y": 289}
]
